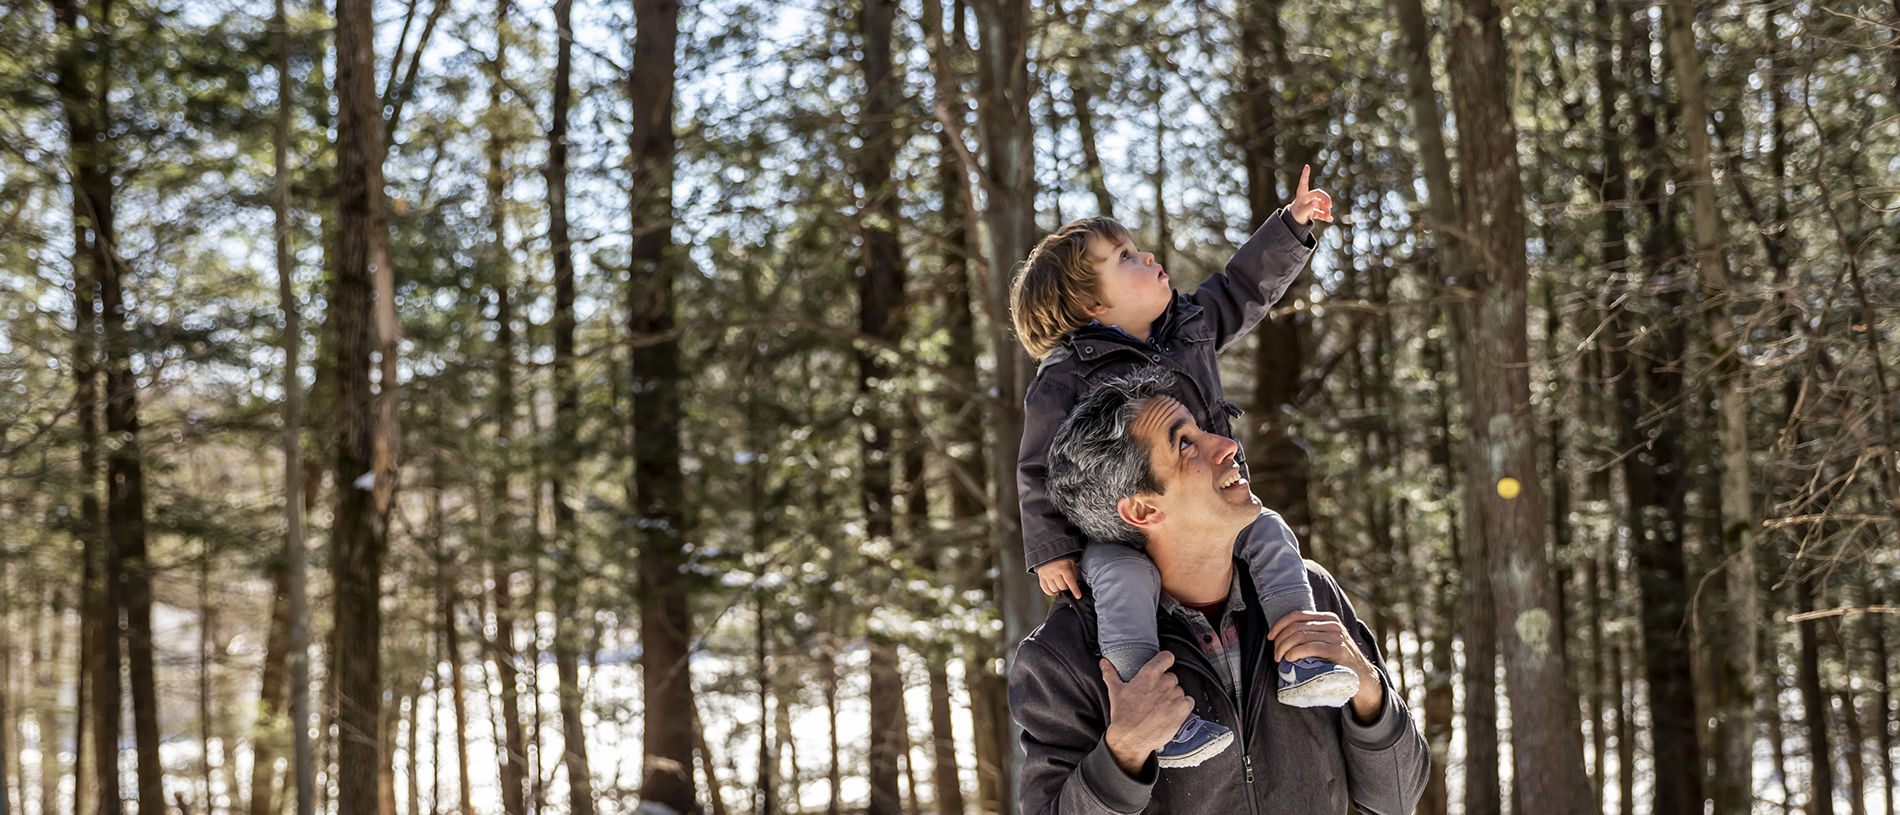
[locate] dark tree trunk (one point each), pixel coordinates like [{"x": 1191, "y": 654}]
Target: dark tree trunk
[
  {"x": 1277, "y": 462},
  {"x": 1501, "y": 456},
  {"x": 566, "y": 447},
  {"x": 944, "y": 742},
  {"x": 1003, "y": 30},
  {"x": 512, "y": 754},
  {"x": 84, "y": 74},
  {"x": 359, "y": 537},
  {"x": 887, "y": 729},
  {"x": 273, "y": 728},
  {"x": 1473, "y": 604},
  {"x": 1652, "y": 427},
  {"x": 881, "y": 313},
  {"x": 92, "y": 192},
  {"x": 1814, "y": 702},
  {"x": 666, "y": 623}
]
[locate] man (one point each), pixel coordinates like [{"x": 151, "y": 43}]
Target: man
[{"x": 1130, "y": 454}]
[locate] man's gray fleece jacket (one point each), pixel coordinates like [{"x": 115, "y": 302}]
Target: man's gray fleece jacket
[{"x": 1285, "y": 760}]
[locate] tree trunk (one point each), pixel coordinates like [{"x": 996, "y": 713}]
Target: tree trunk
[
  {"x": 1814, "y": 702},
  {"x": 566, "y": 447},
  {"x": 1502, "y": 456},
  {"x": 302, "y": 775},
  {"x": 1278, "y": 464},
  {"x": 1474, "y": 603},
  {"x": 1735, "y": 661},
  {"x": 272, "y": 727},
  {"x": 1009, "y": 181},
  {"x": 1654, "y": 475},
  {"x": 943, "y": 740},
  {"x": 448, "y": 597},
  {"x": 666, "y": 623},
  {"x": 512, "y": 755},
  {"x": 887, "y": 729},
  {"x": 99, "y": 614},
  {"x": 834, "y": 773},
  {"x": 359, "y": 532},
  {"x": 95, "y": 168}
]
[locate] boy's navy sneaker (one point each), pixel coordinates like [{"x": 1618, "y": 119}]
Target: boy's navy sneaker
[
  {"x": 1311, "y": 682},
  {"x": 1198, "y": 740}
]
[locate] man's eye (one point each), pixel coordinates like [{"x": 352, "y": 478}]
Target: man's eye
[{"x": 1185, "y": 444}]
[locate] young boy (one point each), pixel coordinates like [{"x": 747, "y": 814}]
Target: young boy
[{"x": 1091, "y": 306}]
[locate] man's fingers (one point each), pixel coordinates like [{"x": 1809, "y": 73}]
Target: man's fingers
[{"x": 1111, "y": 677}]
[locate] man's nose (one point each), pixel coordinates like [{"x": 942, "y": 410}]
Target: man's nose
[{"x": 1225, "y": 449}]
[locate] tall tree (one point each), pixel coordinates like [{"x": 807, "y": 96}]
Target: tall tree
[
  {"x": 81, "y": 84},
  {"x": 1501, "y": 455},
  {"x": 505, "y": 654},
  {"x": 1652, "y": 426},
  {"x": 666, "y": 623},
  {"x": 881, "y": 313},
  {"x": 1279, "y": 463},
  {"x": 1736, "y": 663},
  {"x": 1474, "y": 605},
  {"x": 364, "y": 467},
  {"x": 566, "y": 446}
]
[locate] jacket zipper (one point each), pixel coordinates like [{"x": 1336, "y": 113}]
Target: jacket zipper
[{"x": 1240, "y": 715}]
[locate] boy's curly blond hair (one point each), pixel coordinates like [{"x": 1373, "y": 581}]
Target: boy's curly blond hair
[{"x": 1058, "y": 285}]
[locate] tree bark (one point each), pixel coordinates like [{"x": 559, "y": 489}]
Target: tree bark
[
  {"x": 302, "y": 775},
  {"x": 272, "y": 726},
  {"x": 359, "y": 535},
  {"x": 946, "y": 778},
  {"x": 566, "y": 448},
  {"x": 1735, "y": 660},
  {"x": 512, "y": 754},
  {"x": 1278, "y": 464},
  {"x": 1547, "y": 759},
  {"x": 887, "y": 728},
  {"x": 1814, "y": 703},
  {"x": 92, "y": 194},
  {"x": 1008, "y": 136},
  {"x": 666, "y": 623},
  {"x": 1653, "y": 473}
]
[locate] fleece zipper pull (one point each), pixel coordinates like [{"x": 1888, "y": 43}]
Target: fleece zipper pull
[{"x": 1248, "y": 760}]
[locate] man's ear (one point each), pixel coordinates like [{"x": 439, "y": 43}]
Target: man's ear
[{"x": 1139, "y": 511}]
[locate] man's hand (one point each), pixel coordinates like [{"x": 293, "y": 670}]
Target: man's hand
[
  {"x": 1321, "y": 634},
  {"x": 1309, "y": 205},
  {"x": 1144, "y": 713},
  {"x": 1057, "y": 575}
]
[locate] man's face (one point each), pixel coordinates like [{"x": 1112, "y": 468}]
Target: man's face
[
  {"x": 1133, "y": 287},
  {"x": 1198, "y": 473}
]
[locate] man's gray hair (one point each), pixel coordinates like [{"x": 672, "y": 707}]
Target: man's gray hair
[{"x": 1095, "y": 459}]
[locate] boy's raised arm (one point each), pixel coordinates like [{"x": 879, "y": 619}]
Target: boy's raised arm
[{"x": 1258, "y": 275}]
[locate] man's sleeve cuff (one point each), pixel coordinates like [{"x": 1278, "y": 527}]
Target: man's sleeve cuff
[
  {"x": 1384, "y": 731},
  {"x": 1112, "y": 786},
  {"x": 1302, "y": 231}
]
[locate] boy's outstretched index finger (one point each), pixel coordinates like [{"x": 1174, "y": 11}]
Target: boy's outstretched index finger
[{"x": 1306, "y": 173}]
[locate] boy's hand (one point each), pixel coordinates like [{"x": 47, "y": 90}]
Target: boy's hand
[
  {"x": 1057, "y": 575},
  {"x": 1310, "y": 205}
]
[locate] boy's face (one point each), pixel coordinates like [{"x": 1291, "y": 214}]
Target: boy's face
[{"x": 1134, "y": 289}]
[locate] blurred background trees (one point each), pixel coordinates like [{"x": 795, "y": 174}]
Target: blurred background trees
[{"x": 660, "y": 406}]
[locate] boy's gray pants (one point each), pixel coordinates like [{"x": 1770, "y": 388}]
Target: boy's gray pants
[{"x": 1127, "y": 588}]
